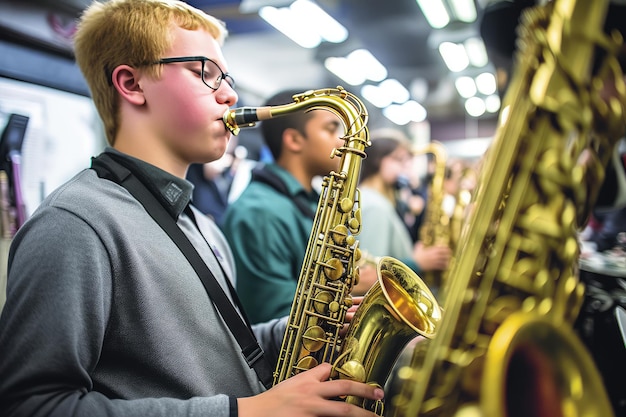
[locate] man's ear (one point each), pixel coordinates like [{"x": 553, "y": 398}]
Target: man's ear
[
  {"x": 293, "y": 140},
  {"x": 126, "y": 82}
]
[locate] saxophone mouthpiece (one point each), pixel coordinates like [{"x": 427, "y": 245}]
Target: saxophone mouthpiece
[{"x": 235, "y": 119}]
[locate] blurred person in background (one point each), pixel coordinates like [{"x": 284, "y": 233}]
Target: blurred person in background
[{"x": 384, "y": 231}]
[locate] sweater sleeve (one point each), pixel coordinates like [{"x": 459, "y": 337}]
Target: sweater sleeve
[{"x": 54, "y": 325}]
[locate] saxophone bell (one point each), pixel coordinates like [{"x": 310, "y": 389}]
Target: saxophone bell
[
  {"x": 528, "y": 365},
  {"x": 395, "y": 310}
]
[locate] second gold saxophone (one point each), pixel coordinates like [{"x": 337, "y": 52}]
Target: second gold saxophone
[
  {"x": 396, "y": 309},
  {"x": 435, "y": 228}
]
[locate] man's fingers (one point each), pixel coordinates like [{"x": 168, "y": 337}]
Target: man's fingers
[{"x": 343, "y": 387}]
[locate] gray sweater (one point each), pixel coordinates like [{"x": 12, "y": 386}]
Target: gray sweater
[{"x": 105, "y": 316}]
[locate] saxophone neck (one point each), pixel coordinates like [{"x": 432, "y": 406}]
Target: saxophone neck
[{"x": 337, "y": 100}]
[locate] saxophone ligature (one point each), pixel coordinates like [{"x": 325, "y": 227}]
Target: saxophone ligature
[
  {"x": 506, "y": 346},
  {"x": 396, "y": 309}
]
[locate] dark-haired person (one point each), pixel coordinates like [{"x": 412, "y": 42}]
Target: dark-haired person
[
  {"x": 269, "y": 225},
  {"x": 104, "y": 315}
]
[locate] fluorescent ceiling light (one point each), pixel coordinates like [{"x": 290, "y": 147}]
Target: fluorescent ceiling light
[
  {"x": 374, "y": 95},
  {"x": 476, "y": 52},
  {"x": 388, "y": 92},
  {"x": 305, "y": 23},
  {"x": 435, "y": 13},
  {"x": 417, "y": 111},
  {"x": 396, "y": 114},
  {"x": 343, "y": 68},
  {"x": 327, "y": 27},
  {"x": 465, "y": 86},
  {"x": 486, "y": 83},
  {"x": 362, "y": 58},
  {"x": 359, "y": 66},
  {"x": 396, "y": 91},
  {"x": 492, "y": 103},
  {"x": 454, "y": 56},
  {"x": 475, "y": 106},
  {"x": 401, "y": 114},
  {"x": 282, "y": 19},
  {"x": 464, "y": 10}
]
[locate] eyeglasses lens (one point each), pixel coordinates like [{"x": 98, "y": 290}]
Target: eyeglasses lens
[{"x": 212, "y": 75}]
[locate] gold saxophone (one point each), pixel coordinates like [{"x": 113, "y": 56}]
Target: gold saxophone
[
  {"x": 462, "y": 199},
  {"x": 396, "y": 309},
  {"x": 435, "y": 227},
  {"x": 505, "y": 345}
]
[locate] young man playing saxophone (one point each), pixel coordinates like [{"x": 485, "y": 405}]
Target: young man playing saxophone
[{"x": 104, "y": 315}]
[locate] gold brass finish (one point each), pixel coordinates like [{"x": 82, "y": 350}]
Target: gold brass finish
[
  {"x": 435, "y": 228},
  {"x": 395, "y": 310},
  {"x": 538, "y": 368},
  {"x": 504, "y": 346}
]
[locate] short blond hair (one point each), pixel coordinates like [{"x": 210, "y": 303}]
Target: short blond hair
[{"x": 131, "y": 32}]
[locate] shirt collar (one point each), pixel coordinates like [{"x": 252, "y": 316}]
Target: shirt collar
[{"x": 172, "y": 191}]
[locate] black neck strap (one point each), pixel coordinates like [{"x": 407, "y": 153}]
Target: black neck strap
[{"x": 112, "y": 169}]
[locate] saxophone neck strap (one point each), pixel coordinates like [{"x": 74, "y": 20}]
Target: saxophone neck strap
[{"x": 112, "y": 169}]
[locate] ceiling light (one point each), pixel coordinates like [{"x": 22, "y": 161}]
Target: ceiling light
[
  {"x": 363, "y": 58},
  {"x": 476, "y": 52},
  {"x": 492, "y": 103},
  {"x": 401, "y": 114},
  {"x": 376, "y": 96},
  {"x": 464, "y": 10},
  {"x": 417, "y": 111},
  {"x": 396, "y": 114},
  {"x": 343, "y": 68},
  {"x": 465, "y": 86},
  {"x": 396, "y": 91},
  {"x": 486, "y": 83},
  {"x": 454, "y": 56},
  {"x": 475, "y": 106},
  {"x": 305, "y": 23},
  {"x": 327, "y": 27},
  {"x": 282, "y": 19},
  {"x": 435, "y": 13}
]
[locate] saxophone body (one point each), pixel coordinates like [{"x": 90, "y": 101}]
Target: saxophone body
[
  {"x": 462, "y": 199},
  {"x": 395, "y": 310},
  {"x": 435, "y": 227},
  {"x": 505, "y": 345}
]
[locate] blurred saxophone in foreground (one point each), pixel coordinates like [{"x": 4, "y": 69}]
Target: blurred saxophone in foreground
[
  {"x": 395, "y": 310},
  {"x": 505, "y": 345}
]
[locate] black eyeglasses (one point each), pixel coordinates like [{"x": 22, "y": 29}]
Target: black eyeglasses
[{"x": 212, "y": 75}]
